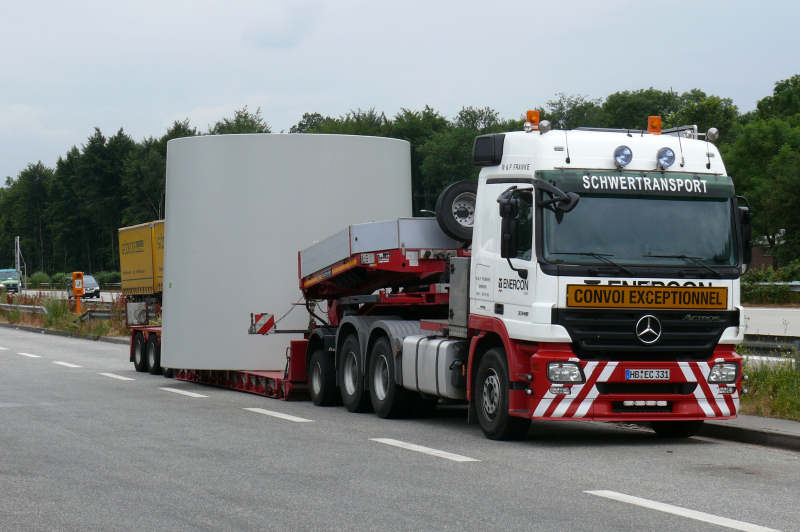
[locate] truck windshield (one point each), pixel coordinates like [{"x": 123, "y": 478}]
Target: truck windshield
[
  {"x": 6, "y": 275},
  {"x": 642, "y": 231}
]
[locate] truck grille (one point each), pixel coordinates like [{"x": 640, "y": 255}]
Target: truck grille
[{"x": 610, "y": 334}]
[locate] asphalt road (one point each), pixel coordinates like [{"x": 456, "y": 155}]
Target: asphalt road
[{"x": 80, "y": 450}]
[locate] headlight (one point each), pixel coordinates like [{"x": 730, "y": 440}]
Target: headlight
[
  {"x": 723, "y": 372},
  {"x": 665, "y": 158},
  {"x": 566, "y": 372},
  {"x": 623, "y": 156}
]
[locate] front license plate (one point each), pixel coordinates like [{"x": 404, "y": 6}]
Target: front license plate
[{"x": 646, "y": 374}]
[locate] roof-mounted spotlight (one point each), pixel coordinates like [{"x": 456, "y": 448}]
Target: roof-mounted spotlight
[
  {"x": 623, "y": 156},
  {"x": 665, "y": 158}
]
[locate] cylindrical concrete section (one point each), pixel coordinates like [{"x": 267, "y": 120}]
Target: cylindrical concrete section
[{"x": 238, "y": 210}]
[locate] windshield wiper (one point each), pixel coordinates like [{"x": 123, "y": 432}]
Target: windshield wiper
[
  {"x": 600, "y": 256},
  {"x": 694, "y": 260}
]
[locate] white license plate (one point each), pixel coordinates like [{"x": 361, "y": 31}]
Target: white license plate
[{"x": 646, "y": 374}]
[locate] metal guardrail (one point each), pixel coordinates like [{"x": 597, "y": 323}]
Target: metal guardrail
[
  {"x": 33, "y": 309},
  {"x": 794, "y": 286}
]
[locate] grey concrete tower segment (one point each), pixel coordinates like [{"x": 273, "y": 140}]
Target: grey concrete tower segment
[{"x": 238, "y": 210}]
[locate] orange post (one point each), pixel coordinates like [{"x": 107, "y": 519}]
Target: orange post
[{"x": 77, "y": 289}]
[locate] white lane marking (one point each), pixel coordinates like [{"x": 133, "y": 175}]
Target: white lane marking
[
  {"x": 279, "y": 415},
  {"x": 183, "y": 392},
  {"x": 683, "y": 512},
  {"x": 3, "y": 348},
  {"x": 66, "y": 364},
  {"x": 425, "y": 450},
  {"x": 30, "y": 355},
  {"x": 115, "y": 376}
]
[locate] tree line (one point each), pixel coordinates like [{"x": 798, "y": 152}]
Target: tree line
[{"x": 67, "y": 216}]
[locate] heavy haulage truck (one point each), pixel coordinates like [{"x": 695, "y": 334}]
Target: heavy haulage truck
[{"x": 590, "y": 274}]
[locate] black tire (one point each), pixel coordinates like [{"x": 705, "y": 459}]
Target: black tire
[
  {"x": 490, "y": 395},
  {"x": 676, "y": 429},
  {"x": 351, "y": 377},
  {"x": 139, "y": 359},
  {"x": 322, "y": 379},
  {"x": 153, "y": 355},
  {"x": 455, "y": 210},
  {"x": 168, "y": 373},
  {"x": 389, "y": 400}
]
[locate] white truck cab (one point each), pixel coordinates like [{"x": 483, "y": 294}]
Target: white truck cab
[{"x": 608, "y": 263}]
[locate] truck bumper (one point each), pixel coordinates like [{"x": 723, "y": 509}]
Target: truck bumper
[{"x": 608, "y": 394}]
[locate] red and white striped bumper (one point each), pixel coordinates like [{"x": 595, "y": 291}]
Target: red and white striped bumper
[{"x": 608, "y": 396}]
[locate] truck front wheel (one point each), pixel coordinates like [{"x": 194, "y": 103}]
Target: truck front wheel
[
  {"x": 388, "y": 399},
  {"x": 322, "y": 379},
  {"x": 351, "y": 379},
  {"x": 490, "y": 399},
  {"x": 139, "y": 361}
]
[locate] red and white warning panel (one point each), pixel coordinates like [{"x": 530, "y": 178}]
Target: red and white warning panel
[{"x": 261, "y": 323}]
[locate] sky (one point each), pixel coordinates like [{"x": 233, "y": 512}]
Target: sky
[{"x": 68, "y": 67}]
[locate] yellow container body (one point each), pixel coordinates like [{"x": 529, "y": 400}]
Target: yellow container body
[{"x": 141, "y": 258}]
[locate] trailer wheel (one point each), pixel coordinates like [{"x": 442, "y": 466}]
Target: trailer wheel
[
  {"x": 455, "y": 210},
  {"x": 490, "y": 395},
  {"x": 676, "y": 429},
  {"x": 322, "y": 379},
  {"x": 139, "y": 361},
  {"x": 389, "y": 400},
  {"x": 351, "y": 378},
  {"x": 153, "y": 355}
]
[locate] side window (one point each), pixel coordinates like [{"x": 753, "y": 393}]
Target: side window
[{"x": 525, "y": 226}]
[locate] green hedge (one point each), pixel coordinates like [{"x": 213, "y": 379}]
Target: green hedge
[
  {"x": 752, "y": 292},
  {"x": 106, "y": 278},
  {"x": 38, "y": 279}
]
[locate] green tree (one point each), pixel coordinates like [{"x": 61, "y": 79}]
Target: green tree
[
  {"x": 705, "y": 111},
  {"x": 785, "y": 99},
  {"x": 144, "y": 175},
  {"x": 310, "y": 123},
  {"x": 569, "y": 112},
  {"x": 243, "y": 121},
  {"x": 630, "y": 109}
]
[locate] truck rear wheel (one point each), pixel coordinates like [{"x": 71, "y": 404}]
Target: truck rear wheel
[
  {"x": 351, "y": 378},
  {"x": 388, "y": 398},
  {"x": 139, "y": 361},
  {"x": 153, "y": 355},
  {"x": 676, "y": 429},
  {"x": 322, "y": 379},
  {"x": 490, "y": 398}
]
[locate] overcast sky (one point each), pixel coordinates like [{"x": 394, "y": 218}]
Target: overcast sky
[{"x": 67, "y": 67}]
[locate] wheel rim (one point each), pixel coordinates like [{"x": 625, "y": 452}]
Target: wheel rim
[
  {"x": 491, "y": 394},
  {"x": 380, "y": 379},
  {"x": 316, "y": 378},
  {"x": 137, "y": 353},
  {"x": 463, "y": 209},
  {"x": 350, "y": 373},
  {"x": 151, "y": 355}
]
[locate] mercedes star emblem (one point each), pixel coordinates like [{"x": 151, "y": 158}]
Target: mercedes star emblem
[{"x": 648, "y": 329}]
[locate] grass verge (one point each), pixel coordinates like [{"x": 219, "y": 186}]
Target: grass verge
[{"x": 773, "y": 390}]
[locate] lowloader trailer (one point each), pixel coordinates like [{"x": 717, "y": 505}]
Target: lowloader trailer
[{"x": 595, "y": 276}]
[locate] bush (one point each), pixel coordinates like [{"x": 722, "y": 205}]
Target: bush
[
  {"x": 60, "y": 280},
  {"x": 752, "y": 292},
  {"x": 38, "y": 279},
  {"x": 106, "y": 278}
]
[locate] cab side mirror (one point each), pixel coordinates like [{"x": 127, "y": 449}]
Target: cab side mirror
[
  {"x": 746, "y": 233},
  {"x": 509, "y": 228}
]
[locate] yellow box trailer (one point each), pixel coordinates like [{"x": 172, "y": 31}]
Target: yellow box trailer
[{"x": 141, "y": 258}]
